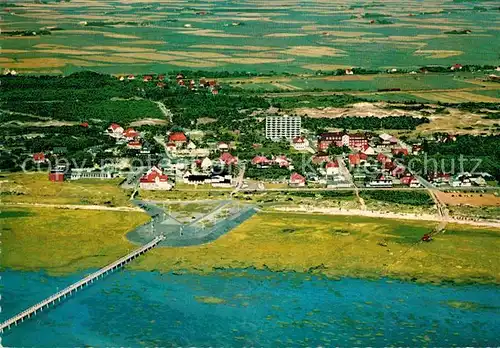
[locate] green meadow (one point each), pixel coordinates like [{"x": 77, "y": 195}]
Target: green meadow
[{"x": 290, "y": 36}]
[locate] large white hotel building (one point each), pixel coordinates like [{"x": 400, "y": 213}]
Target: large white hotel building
[{"x": 282, "y": 127}]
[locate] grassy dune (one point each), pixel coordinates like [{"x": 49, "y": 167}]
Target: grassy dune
[
  {"x": 342, "y": 246},
  {"x": 64, "y": 241},
  {"x": 36, "y": 188}
]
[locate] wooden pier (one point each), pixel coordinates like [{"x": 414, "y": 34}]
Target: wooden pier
[{"x": 57, "y": 297}]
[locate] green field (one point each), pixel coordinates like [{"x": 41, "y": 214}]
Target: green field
[{"x": 153, "y": 36}]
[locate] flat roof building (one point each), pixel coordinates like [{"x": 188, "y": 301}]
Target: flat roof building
[{"x": 282, "y": 127}]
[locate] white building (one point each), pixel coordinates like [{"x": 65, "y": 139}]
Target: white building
[
  {"x": 89, "y": 173},
  {"x": 300, "y": 143},
  {"x": 282, "y": 127}
]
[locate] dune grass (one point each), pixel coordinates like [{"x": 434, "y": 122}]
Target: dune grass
[
  {"x": 64, "y": 241},
  {"x": 338, "y": 246},
  {"x": 36, "y": 188}
]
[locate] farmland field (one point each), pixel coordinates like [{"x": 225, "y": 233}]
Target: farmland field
[{"x": 289, "y": 36}]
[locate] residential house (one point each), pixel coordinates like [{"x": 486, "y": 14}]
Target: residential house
[
  {"x": 456, "y": 67},
  {"x": 297, "y": 180},
  {"x": 349, "y": 72},
  {"x": 206, "y": 164},
  {"x": 115, "y": 130},
  {"x": 410, "y": 180},
  {"x": 300, "y": 143},
  {"x": 380, "y": 181},
  {"x": 439, "y": 179},
  {"x": 154, "y": 179},
  {"x": 130, "y": 77},
  {"x": 387, "y": 140},
  {"x": 177, "y": 138},
  {"x": 282, "y": 161},
  {"x": 261, "y": 161},
  {"x": 368, "y": 150},
  {"x": 134, "y": 145},
  {"x": 354, "y": 159},
  {"x": 332, "y": 168},
  {"x": 222, "y": 146},
  {"x": 383, "y": 158},
  {"x": 84, "y": 124},
  {"x": 147, "y": 78},
  {"x": 227, "y": 159},
  {"x": 39, "y": 157},
  {"x": 399, "y": 151},
  {"x": 130, "y": 133}
]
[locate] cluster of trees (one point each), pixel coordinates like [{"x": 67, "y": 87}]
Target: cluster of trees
[
  {"x": 109, "y": 111},
  {"x": 188, "y": 107},
  {"x": 418, "y": 198},
  {"x": 338, "y": 100},
  {"x": 468, "y": 153},
  {"x": 365, "y": 123}
]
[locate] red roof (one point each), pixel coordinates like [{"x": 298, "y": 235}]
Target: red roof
[
  {"x": 114, "y": 126},
  {"x": 400, "y": 151},
  {"x": 296, "y": 177},
  {"x": 406, "y": 180},
  {"x": 40, "y": 156},
  {"x": 363, "y": 156},
  {"x": 298, "y": 140},
  {"x": 260, "y": 160},
  {"x": 84, "y": 124},
  {"x": 147, "y": 78},
  {"x": 354, "y": 158},
  {"x": 161, "y": 84},
  {"x": 382, "y": 158},
  {"x": 333, "y": 164},
  {"x": 227, "y": 158},
  {"x": 130, "y": 133},
  {"x": 161, "y": 77},
  {"x": 153, "y": 175},
  {"x": 177, "y": 137}
]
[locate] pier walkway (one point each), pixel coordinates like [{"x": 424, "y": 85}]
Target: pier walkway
[{"x": 52, "y": 300}]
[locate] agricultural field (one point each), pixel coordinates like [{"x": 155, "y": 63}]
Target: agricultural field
[{"x": 121, "y": 36}]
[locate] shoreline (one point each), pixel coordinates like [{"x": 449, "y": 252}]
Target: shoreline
[
  {"x": 302, "y": 209},
  {"x": 243, "y": 271}
]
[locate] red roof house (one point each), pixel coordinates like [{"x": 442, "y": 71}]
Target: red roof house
[
  {"x": 400, "y": 151},
  {"x": 147, "y": 78},
  {"x": 382, "y": 158},
  {"x": 130, "y": 133},
  {"x": 39, "y": 157},
  {"x": 297, "y": 180},
  {"x": 177, "y": 137},
  {"x": 354, "y": 159},
  {"x": 456, "y": 67},
  {"x": 154, "y": 179},
  {"x": 228, "y": 159},
  {"x": 260, "y": 161},
  {"x": 84, "y": 124}
]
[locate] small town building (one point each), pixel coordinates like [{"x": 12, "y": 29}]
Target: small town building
[
  {"x": 154, "y": 179},
  {"x": 297, "y": 180},
  {"x": 300, "y": 143},
  {"x": 227, "y": 159},
  {"x": 39, "y": 157},
  {"x": 332, "y": 168},
  {"x": 89, "y": 173},
  {"x": 115, "y": 130},
  {"x": 380, "y": 181}
]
